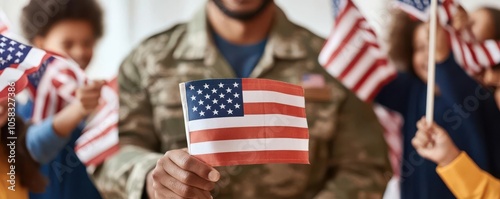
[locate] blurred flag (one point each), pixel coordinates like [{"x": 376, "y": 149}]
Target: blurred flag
[
  {"x": 245, "y": 121},
  {"x": 473, "y": 56},
  {"x": 420, "y": 9},
  {"x": 53, "y": 82},
  {"x": 17, "y": 60},
  {"x": 352, "y": 54},
  {"x": 100, "y": 137}
]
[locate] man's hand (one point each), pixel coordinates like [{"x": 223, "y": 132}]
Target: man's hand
[
  {"x": 433, "y": 143},
  {"x": 87, "y": 97},
  {"x": 180, "y": 175}
]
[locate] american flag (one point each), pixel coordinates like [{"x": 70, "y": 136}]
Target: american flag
[
  {"x": 473, "y": 56},
  {"x": 100, "y": 137},
  {"x": 245, "y": 121},
  {"x": 420, "y": 9},
  {"x": 53, "y": 81},
  {"x": 17, "y": 60},
  {"x": 352, "y": 54}
]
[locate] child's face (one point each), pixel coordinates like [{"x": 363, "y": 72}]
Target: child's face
[
  {"x": 74, "y": 38},
  {"x": 420, "y": 51},
  {"x": 482, "y": 25}
]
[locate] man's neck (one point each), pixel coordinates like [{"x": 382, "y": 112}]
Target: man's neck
[{"x": 241, "y": 32}]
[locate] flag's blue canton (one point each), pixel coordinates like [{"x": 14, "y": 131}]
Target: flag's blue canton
[
  {"x": 11, "y": 52},
  {"x": 421, "y": 5},
  {"x": 34, "y": 78},
  {"x": 214, "y": 98},
  {"x": 336, "y": 8}
]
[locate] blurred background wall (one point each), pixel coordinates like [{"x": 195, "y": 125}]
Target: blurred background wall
[{"x": 130, "y": 21}]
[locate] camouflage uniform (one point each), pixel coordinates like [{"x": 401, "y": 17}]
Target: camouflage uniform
[{"x": 347, "y": 151}]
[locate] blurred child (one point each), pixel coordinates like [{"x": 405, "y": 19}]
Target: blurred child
[
  {"x": 72, "y": 28},
  {"x": 408, "y": 48},
  {"x": 27, "y": 174},
  {"x": 464, "y": 178}
]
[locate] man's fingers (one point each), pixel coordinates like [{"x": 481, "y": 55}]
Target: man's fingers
[
  {"x": 187, "y": 177},
  {"x": 180, "y": 188},
  {"x": 190, "y": 163}
]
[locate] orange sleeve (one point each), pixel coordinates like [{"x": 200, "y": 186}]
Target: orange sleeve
[{"x": 466, "y": 180}]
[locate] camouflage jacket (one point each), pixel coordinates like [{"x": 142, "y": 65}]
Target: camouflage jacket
[{"x": 347, "y": 151}]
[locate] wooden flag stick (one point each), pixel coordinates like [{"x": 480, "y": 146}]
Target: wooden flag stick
[{"x": 431, "y": 69}]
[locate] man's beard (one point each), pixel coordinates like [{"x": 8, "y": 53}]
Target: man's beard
[{"x": 242, "y": 16}]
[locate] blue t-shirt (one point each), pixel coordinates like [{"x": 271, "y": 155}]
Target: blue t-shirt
[{"x": 242, "y": 58}]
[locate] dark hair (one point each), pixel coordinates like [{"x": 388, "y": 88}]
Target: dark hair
[
  {"x": 400, "y": 40},
  {"x": 27, "y": 169},
  {"x": 495, "y": 15},
  {"x": 39, "y": 16}
]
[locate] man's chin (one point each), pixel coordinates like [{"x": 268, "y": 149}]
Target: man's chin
[{"x": 242, "y": 16}]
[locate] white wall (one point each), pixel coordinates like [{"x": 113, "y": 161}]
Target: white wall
[{"x": 130, "y": 21}]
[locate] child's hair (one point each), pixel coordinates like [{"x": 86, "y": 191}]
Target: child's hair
[
  {"x": 27, "y": 169},
  {"x": 39, "y": 16},
  {"x": 400, "y": 40},
  {"x": 495, "y": 14}
]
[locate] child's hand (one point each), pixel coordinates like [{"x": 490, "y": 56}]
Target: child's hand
[
  {"x": 433, "y": 143},
  {"x": 88, "y": 97}
]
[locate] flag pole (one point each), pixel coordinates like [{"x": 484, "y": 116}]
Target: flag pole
[{"x": 431, "y": 69}]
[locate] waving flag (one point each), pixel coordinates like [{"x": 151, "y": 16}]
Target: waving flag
[
  {"x": 472, "y": 56},
  {"x": 53, "y": 81},
  {"x": 100, "y": 137},
  {"x": 352, "y": 54},
  {"x": 17, "y": 60},
  {"x": 245, "y": 121}
]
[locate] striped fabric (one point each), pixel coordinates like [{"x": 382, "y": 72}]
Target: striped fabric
[{"x": 245, "y": 121}]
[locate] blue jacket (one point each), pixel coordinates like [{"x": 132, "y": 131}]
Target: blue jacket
[{"x": 465, "y": 109}]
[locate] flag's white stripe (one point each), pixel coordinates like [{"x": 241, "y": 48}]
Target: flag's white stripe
[
  {"x": 9, "y": 75},
  {"x": 97, "y": 147},
  {"x": 272, "y": 97},
  {"x": 111, "y": 104},
  {"x": 494, "y": 50},
  {"x": 481, "y": 55},
  {"x": 247, "y": 121},
  {"x": 369, "y": 86},
  {"x": 341, "y": 31},
  {"x": 33, "y": 59},
  {"x": 361, "y": 67},
  {"x": 246, "y": 145},
  {"x": 109, "y": 121},
  {"x": 347, "y": 55}
]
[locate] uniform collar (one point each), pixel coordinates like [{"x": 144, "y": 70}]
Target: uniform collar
[{"x": 284, "y": 42}]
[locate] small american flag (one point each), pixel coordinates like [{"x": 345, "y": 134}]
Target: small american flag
[
  {"x": 472, "y": 56},
  {"x": 352, "y": 54},
  {"x": 17, "y": 60},
  {"x": 245, "y": 121}
]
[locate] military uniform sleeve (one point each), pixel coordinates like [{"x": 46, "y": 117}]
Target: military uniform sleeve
[
  {"x": 466, "y": 180},
  {"x": 359, "y": 162},
  {"x": 123, "y": 175}
]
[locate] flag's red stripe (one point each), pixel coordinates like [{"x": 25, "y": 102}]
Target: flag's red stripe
[
  {"x": 376, "y": 65},
  {"x": 273, "y": 108},
  {"x": 31, "y": 70},
  {"x": 102, "y": 156},
  {"x": 248, "y": 133},
  {"x": 46, "y": 102},
  {"x": 473, "y": 53},
  {"x": 20, "y": 84},
  {"x": 346, "y": 41},
  {"x": 354, "y": 61},
  {"x": 255, "y": 157},
  {"x": 98, "y": 136},
  {"x": 488, "y": 55},
  {"x": 271, "y": 85}
]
